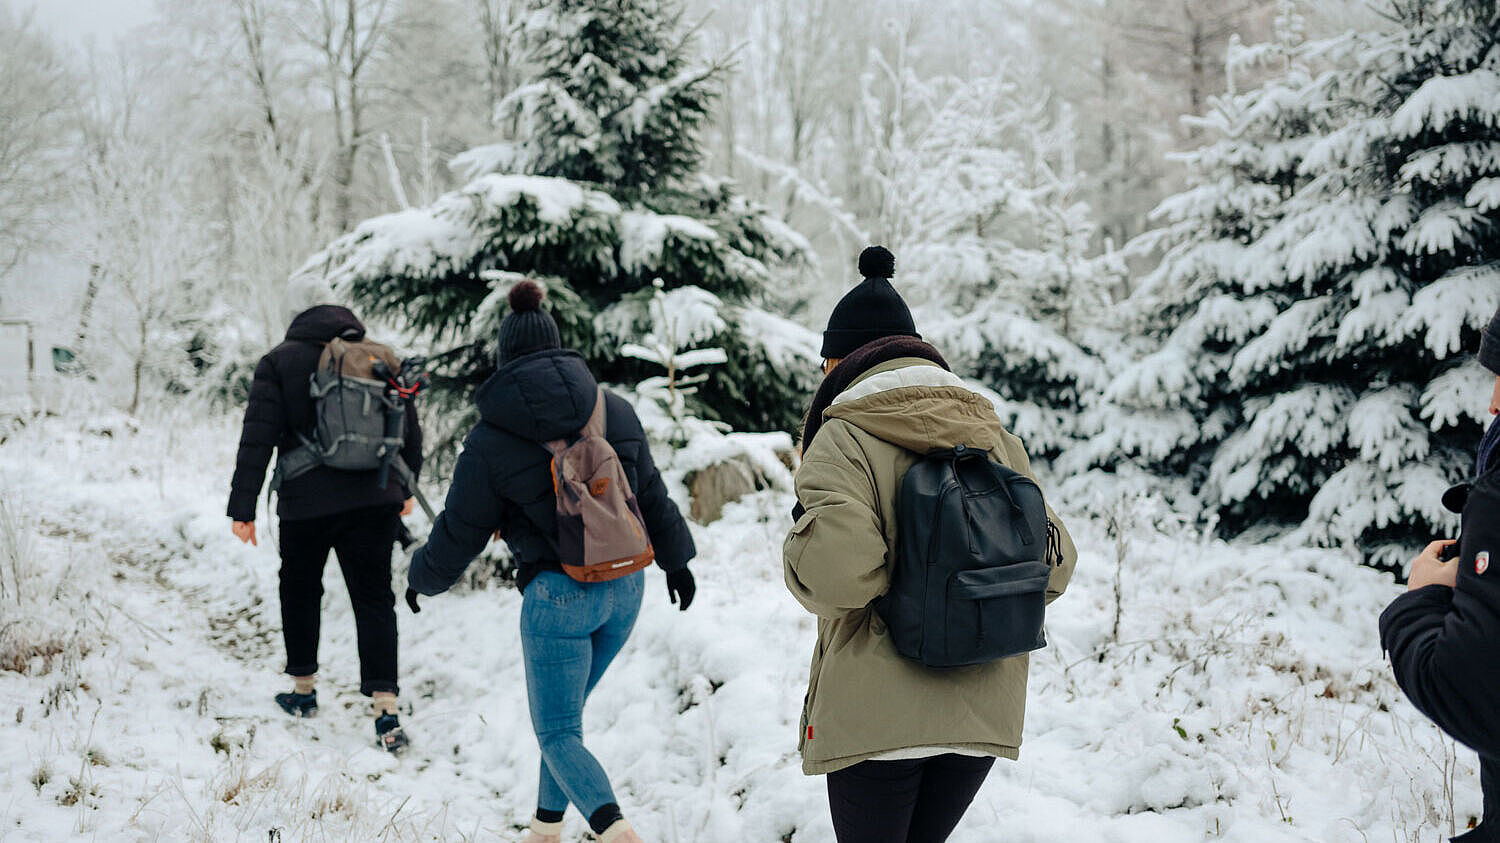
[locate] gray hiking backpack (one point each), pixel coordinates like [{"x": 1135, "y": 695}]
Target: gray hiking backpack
[
  {"x": 600, "y": 532},
  {"x": 359, "y": 398},
  {"x": 975, "y": 551}
]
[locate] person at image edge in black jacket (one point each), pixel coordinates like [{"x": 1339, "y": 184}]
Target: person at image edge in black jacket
[
  {"x": 326, "y": 509},
  {"x": 1443, "y": 635},
  {"x": 570, "y": 631}
]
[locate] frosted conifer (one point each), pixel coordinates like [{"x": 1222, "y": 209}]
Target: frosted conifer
[
  {"x": 1324, "y": 284},
  {"x": 602, "y": 198}
]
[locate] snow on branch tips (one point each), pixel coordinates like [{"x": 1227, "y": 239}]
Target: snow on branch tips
[{"x": 678, "y": 320}]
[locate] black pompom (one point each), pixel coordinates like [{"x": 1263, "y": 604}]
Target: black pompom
[
  {"x": 525, "y": 296},
  {"x": 877, "y": 262}
]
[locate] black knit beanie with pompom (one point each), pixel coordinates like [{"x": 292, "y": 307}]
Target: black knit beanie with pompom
[
  {"x": 527, "y": 329},
  {"x": 872, "y": 310}
]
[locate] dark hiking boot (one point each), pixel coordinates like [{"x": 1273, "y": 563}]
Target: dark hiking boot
[
  {"x": 298, "y": 705},
  {"x": 389, "y": 734}
]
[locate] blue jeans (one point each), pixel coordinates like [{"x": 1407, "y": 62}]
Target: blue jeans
[{"x": 570, "y": 632}]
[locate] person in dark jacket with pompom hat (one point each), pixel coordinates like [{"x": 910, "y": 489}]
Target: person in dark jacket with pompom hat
[
  {"x": 1443, "y": 634},
  {"x": 503, "y": 483},
  {"x": 348, "y": 512}
]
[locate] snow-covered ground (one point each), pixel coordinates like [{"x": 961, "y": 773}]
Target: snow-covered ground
[{"x": 1193, "y": 690}]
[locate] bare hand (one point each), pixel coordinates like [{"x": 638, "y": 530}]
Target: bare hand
[
  {"x": 245, "y": 532},
  {"x": 1430, "y": 569},
  {"x": 407, "y": 507}
]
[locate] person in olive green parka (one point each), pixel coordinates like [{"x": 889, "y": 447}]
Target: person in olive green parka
[{"x": 879, "y": 723}]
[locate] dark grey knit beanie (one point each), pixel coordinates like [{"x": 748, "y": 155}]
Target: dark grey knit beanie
[
  {"x": 872, "y": 310},
  {"x": 1489, "y": 347},
  {"x": 527, "y": 329}
]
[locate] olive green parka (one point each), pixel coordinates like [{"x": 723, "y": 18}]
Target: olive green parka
[{"x": 863, "y": 698}]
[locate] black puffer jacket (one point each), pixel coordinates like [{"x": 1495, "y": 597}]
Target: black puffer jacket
[
  {"x": 503, "y": 480},
  {"x": 281, "y": 406},
  {"x": 1444, "y": 643}
]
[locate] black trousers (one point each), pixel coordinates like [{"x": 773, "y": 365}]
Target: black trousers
[
  {"x": 362, "y": 539},
  {"x": 918, "y": 801},
  {"x": 1489, "y": 826}
]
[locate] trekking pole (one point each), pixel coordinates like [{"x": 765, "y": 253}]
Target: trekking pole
[{"x": 402, "y": 390}]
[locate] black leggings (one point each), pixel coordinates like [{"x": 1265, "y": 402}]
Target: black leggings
[
  {"x": 1489, "y": 825},
  {"x": 362, "y": 539},
  {"x": 918, "y": 801}
]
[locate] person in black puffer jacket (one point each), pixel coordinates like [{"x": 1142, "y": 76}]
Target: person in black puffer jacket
[
  {"x": 1443, "y": 634},
  {"x": 325, "y": 509},
  {"x": 570, "y": 631}
]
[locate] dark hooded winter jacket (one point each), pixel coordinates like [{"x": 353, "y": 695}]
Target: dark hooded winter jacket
[
  {"x": 503, "y": 480},
  {"x": 1444, "y": 643},
  {"x": 281, "y": 408}
]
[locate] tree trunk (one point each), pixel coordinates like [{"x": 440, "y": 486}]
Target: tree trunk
[
  {"x": 90, "y": 294},
  {"x": 1199, "y": 82},
  {"x": 139, "y": 368}
]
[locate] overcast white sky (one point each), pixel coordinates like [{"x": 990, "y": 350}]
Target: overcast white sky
[{"x": 80, "y": 20}]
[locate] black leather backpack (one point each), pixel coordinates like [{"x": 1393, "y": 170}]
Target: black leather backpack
[{"x": 975, "y": 550}]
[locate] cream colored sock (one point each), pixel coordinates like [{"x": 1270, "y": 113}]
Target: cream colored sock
[
  {"x": 384, "y": 702},
  {"x": 304, "y": 684},
  {"x": 542, "y": 829}
]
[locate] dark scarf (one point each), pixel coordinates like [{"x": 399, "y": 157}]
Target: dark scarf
[
  {"x": 1456, "y": 498},
  {"x": 1489, "y": 449},
  {"x": 860, "y": 361},
  {"x": 843, "y": 376}
]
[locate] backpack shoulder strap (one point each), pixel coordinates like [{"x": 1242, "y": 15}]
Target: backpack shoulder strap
[{"x": 595, "y": 425}]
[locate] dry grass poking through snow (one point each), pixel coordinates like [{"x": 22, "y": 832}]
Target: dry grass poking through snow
[{"x": 35, "y": 637}]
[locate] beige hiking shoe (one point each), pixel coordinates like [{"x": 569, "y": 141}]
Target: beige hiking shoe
[{"x": 544, "y": 832}]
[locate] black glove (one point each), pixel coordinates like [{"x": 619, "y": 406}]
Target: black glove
[
  {"x": 681, "y": 587},
  {"x": 411, "y": 600},
  {"x": 403, "y": 535}
]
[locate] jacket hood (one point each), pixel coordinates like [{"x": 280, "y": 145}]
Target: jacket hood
[
  {"x": 540, "y": 397},
  {"x": 325, "y": 322},
  {"x": 916, "y": 405}
]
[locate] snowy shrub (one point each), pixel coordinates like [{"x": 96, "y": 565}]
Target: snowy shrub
[
  {"x": 34, "y": 638},
  {"x": 16, "y": 571},
  {"x": 1323, "y": 284}
]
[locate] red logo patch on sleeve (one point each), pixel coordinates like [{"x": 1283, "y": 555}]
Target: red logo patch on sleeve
[
  {"x": 1482, "y": 562},
  {"x": 809, "y": 733}
]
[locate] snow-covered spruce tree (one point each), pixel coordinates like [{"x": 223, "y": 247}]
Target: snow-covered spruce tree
[
  {"x": 1326, "y": 278},
  {"x": 1169, "y": 409},
  {"x": 992, "y": 246},
  {"x": 602, "y": 198}
]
